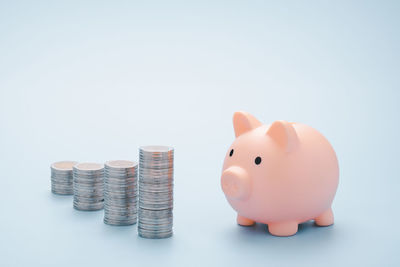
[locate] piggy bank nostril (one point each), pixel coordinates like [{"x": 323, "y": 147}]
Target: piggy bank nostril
[
  {"x": 234, "y": 188},
  {"x": 230, "y": 185},
  {"x": 235, "y": 183}
]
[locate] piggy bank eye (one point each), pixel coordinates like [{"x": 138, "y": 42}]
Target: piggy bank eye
[
  {"x": 257, "y": 160},
  {"x": 231, "y": 153}
]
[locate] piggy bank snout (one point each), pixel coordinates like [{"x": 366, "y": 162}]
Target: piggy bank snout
[{"x": 235, "y": 183}]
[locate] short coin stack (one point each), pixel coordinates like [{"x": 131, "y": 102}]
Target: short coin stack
[
  {"x": 61, "y": 177},
  {"x": 156, "y": 191},
  {"x": 88, "y": 186},
  {"x": 120, "y": 192}
]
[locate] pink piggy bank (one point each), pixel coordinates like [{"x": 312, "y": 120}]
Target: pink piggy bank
[{"x": 282, "y": 174}]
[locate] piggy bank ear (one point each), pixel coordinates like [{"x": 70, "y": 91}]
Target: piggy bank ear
[
  {"x": 283, "y": 133},
  {"x": 244, "y": 122}
]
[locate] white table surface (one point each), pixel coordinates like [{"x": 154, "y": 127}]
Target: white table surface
[{"x": 93, "y": 81}]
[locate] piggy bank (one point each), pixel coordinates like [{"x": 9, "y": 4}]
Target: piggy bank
[{"x": 281, "y": 175}]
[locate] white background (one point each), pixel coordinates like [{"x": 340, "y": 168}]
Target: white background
[{"x": 93, "y": 81}]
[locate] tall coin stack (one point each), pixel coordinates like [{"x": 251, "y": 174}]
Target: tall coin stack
[
  {"x": 120, "y": 192},
  {"x": 61, "y": 177},
  {"x": 155, "y": 191},
  {"x": 88, "y": 186}
]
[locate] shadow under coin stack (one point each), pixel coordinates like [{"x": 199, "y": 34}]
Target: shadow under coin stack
[
  {"x": 62, "y": 178},
  {"x": 155, "y": 191},
  {"x": 120, "y": 192},
  {"x": 88, "y": 186}
]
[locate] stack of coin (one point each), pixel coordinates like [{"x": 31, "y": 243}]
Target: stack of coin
[
  {"x": 156, "y": 191},
  {"x": 120, "y": 192},
  {"x": 88, "y": 186},
  {"x": 61, "y": 177}
]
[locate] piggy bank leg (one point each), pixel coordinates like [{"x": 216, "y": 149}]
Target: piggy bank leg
[
  {"x": 325, "y": 219},
  {"x": 243, "y": 221},
  {"x": 283, "y": 228}
]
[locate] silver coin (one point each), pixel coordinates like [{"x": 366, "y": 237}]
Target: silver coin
[
  {"x": 154, "y": 234},
  {"x": 155, "y": 205},
  {"x": 61, "y": 174},
  {"x": 88, "y": 206},
  {"x": 88, "y": 186},
  {"x": 120, "y": 192},
  {"x": 117, "y": 222}
]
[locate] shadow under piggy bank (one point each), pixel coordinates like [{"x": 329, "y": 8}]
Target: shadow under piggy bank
[{"x": 308, "y": 237}]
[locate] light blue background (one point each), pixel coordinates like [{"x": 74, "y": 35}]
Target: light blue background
[{"x": 92, "y": 81}]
